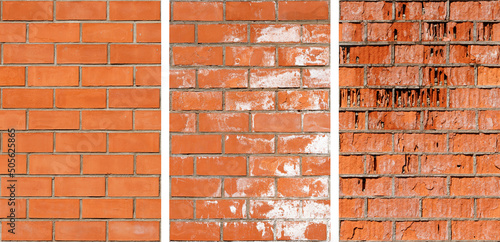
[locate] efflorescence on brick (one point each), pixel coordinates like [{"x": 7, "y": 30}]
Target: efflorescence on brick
[
  {"x": 419, "y": 116},
  {"x": 249, "y": 120},
  {"x": 80, "y": 84}
]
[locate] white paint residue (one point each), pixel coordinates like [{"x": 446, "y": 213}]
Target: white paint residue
[
  {"x": 273, "y": 33},
  {"x": 293, "y": 231},
  {"x": 290, "y": 170},
  {"x": 313, "y": 209},
  {"x": 184, "y": 77},
  {"x": 269, "y": 58},
  {"x": 266, "y": 102},
  {"x": 254, "y": 142},
  {"x": 233, "y": 209},
  {"x": 261, "y": 227},
  {"x": 320, "y": 144},
  {"x": 221, "y": 120},
  {"x": 280, "y": 209},
  {"x": 276, "y": 78},
  {"x": 243, "y": 185},
  {"x": 318, "y": 77},
  {"x": 308, "y": 56}
]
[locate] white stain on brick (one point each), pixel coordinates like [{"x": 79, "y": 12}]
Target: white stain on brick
[
  {"x": 317, "y": 78},
  {"x": 313, "y": 209},
  {"x": 243, "y": 185},
  {"x": 222, "y": 121},
  {"x": 261, "y": 227},
  {"x": 320, "y": 144},
  {"x": 280, "y": 209},
  {"x": 185, "y": 77},
  {"x": 266, "y": 102},
  {"x": 310, "y": 56},
  {"x": 275, "y": 33},
  {"x": 293, "y": 231},
  {"x": 275, "y": 79}
]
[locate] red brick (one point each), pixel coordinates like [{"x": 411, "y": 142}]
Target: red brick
[
  {"x": 79, "y": 186},
  {"x": 276, "y": 122},
  {"x": 250, "y": 100},
  {"x": 135, "y": 53},
  {"x": 19, "y": 206},
  {"x": 28, "y": 53},
  {"x": 351, "y": 76},
  {"x": 456, "y": 76},
  {"x": 250, "y": 56},
  {"x": 222, "y": 78},
  {"x": 455, "y": 164},
  {"x": 366, "y": 186},
  {"x": 81, "y": 10},
  {"x": 303, "y": 100},
  {"x": 54, "y": 32},
  {"x": 249, "y": 144},
  {"x": 182, "y": 122},
  {"x": 82, "y": 54},
  {"x": 149, "y": 208},
  {"x": 366, "y": 11},
  {"x": 23, "y": 10},
  {"x": 392, "y": 164},
  {"x": 449, "y": 120},
  {"x": 148, "y": 164},
  {"x": 31, "y": 142},
  {"x": 107, "y": 208},
  {"x": 181, "y": 33},
  {"x": 133, "y": 186},
  {"x": 303, "y": 144},
  {"x": 223, "y": 122},
  {"x": 147, "y": 120},
  {"x": 225, "y": 209},
  {"x": 394, "y": 120},
  {"x": 148, "y": 33},
  {"x": 55, "y": 164},
  {"x": 28, "y": 230},
  {"x": 287, "y": 230},
  {"x": 274, "y": 78},
  {"x": 487, "y": 164},
  {"x": 421, "y": 10},
  {"x": 316, "y": 122},
  {"x": 221, "y": 166},
  {"x": 198, "y": 11},
  {"x": 108, "y": 164},
  {"x": 20, "y": 164},
  {"x": 182, "y": 78},
  {"x": 148, "y": 76},
  {"x": 474, "y": 186},
  {"x": 134, "y": 98},
  {"x": 420, "y": 142},
  {"x": 134, "y": 10},
  {"x": 316, "y": 77},
  {"x": 274, "y": 166},
  {"x": 473, "y": 143},
  {"x": 106, "y": 120},
  {"x": 393, "y": 31},
  {"x": 12, "y": 119},
  {"x": 222, "y": 33},
  {"x": 77, "y": 230},
  {"x": 303, "y": 10},
  {"x": 428, "y": 186},
  {"x": 303, "y": 56},
  {"x": 12, "y": 75},
  {"x": 12, "y": 32},
  {"x": 315, "y": 166},
  {"x": 80, "y": 98},
  {"x": 350, "y": 142},
  {"x": 275, "y": 33},
  {"x": 483, "y": 10},
  {"x": 349, "y": 32},
  {"x": 366, "y": 230},
  {"x": 187, "y": 144},
  {"x": 248, "y": 231},
  {"x": 180, "y": 166},
  {"x": 365, "y": 55},
  {"x": 197, "y": 100},
  {"x": 196, "y": 187},
  {"x": 488, "y": 76},
  {"x": 134, "y": 142},
  {"x": 107, "y": 32},
  {"x": 195, "y": 231},
  {"x": 272, "y": 209},
  {"x": 422, "y": 230},
  {"x": 351, "y": 208},
  {"x": 250, "y": 11},
  {"x": 393, "y": 208},
  {"x": 249, "y": 187},
  {"x": 53, "y": 76},
  {"x": 81, "y": 142},
  {"x": 393, "y": 76},
  {"x": 467, "y": 230},
  {"x": 29, "y": 186},
  {"x": 27, "y": 98},
  {"x": 54, "y": 208},
  {"x": 181, "y": 209},
  {"x": 302, "y": 187},
  {"x": 194, "y": 56},
  {"x": 448, "y": 207},
  {"x": 487, "y": 208},
  {"x": 54, "y": 120}
]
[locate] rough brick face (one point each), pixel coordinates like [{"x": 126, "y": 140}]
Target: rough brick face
[
  {"x": 249, "y": 120},
  {"x": 419, "y": 118},
  {"x": 80, "y": 83}
]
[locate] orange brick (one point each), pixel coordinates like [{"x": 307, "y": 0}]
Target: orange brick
[
  {"x": 28, "y": 230},
  {"x": 313, "y": 230},
  {"x": 250, "y": 100},
  {"x": 54, "y": 120},
  {"x": 108, "y": 164},
  {"x": 221, "y": 166},
  {"x": 250, "y": 11},
  {"x": 303, "y": 100},
  {"x": 274, "y": 33},
  {"x": 182, "y": 122},
  {"x": 31, "y": 142},
  {"x": 20, "y": 164},
  {"x": 107, "y": 208},
  {"x": 303, "y": 10},
  {"x": 29, "y": 186},
  {"x": 20, "y": 208},
  {"x": 53, "y": 76},
  {"x": 81, "y": 10},
  {"x": 223, "y": 122},
  {"x": 315, "y": 166},
  {"x": 194, "y": 55},
  {"x": 181, "y": 33},
  {"x": 134, "y": 142},
  {"x": 134, "y": 10},
  {"x": 134, "y": 98},
  {"x": 12, "y": 75},
  {"x": 316, "y": 122},
  {"x": 12, "y": 32},
  {"x": 198, "y": 11},
  {"x": 180, "y": 166},
  {"x": 304, "y": 144},
  {"x": 28, "y": 53},
  {"x": 23, "y": 10},
  {"x": 149, "y": 208},
  {"x": 148, "y": 33},
  {"x": 107, "y": 120},
  {"x": 15, "y": 119},
  {"x": 422, "y": 230},
  {"x": 82, "y": 54},
  {"x": 196, "y": 100},
  {"x": 81, "y": 142},
  {"x": 303, "y": 56},
  {"x": 54, "y": 32},
  {"x": 147, "y": 120},
  {"x": 393, "y": 208},
  {"x": 250, "y": 56},
  {"x": 248, "y": 231},
  {"x": 186, "y": 144},
  {"x": 210, "y": 209},
  {"x": 107, "y": 76},
  {"x": 317, "y": 33},
  {"x": 107, "y": 32},
  {"x": 249, "y": 187},
  {"x": 371, "y": 230},
  {"x": 80, "y": 230},
  {"x": 54, "y": 208},
  {"x": 133, "y": 186},
  {"x": 195, "y": 231},
  {"x": 302, "y": 187},
  {"x": 366, "y": 186},
  {"x": 134, "y": 53},
  {"x": 181, "y": 209},
  {"x": 222, "y": 33},
  {"x": 222, "y": 78},
  {"x": 249, "y": 144},
  {"x": 148, "y": 76},
  {"x": 134, "y": 230},
  {"x": 274, "y": 166},
  {"x": 195, "y": 187},
  {"x": 55, "y": 164},
  {"x": 148, "y": 164},
  {"x": 79, "y": 186}
]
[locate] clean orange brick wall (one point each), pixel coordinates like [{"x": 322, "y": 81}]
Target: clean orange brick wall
[
  {"x": 249, "y": 120},
  {"x": 79, "y": 81},
  {"x": 419, "y": 120}
]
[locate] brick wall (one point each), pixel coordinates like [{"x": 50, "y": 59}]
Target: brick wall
[
  {"x": 79, "y": 82},
  {"x": 249, "y": 120},
  {"x": 419, "y": 120}
]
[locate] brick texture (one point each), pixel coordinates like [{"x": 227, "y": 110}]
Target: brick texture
[
  {"x": 79, "y": 81},
  {"x": 249, "y": 120},
  {"x": 419, "y": 120}
]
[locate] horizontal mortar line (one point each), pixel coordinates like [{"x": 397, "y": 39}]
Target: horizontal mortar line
[
  {"x": 418, "y": 153},
  {"x": 248, "y": 44}
]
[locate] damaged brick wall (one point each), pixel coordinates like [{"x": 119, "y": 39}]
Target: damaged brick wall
[
  {"x": 249, "y": 120},
  {"x": 419, "y": 120},
  {"x": 79, "y": 81}
]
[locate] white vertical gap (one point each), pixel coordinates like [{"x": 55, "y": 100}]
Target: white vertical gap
[
  {"x": 165, "y": 133},
  {"x": 334, "y": 120}
]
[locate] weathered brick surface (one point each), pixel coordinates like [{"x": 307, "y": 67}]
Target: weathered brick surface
[
  {"x": 419, "y": 120},
  {"x": 249, "y": 120},
  {"x": 80, "y": 83}
]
